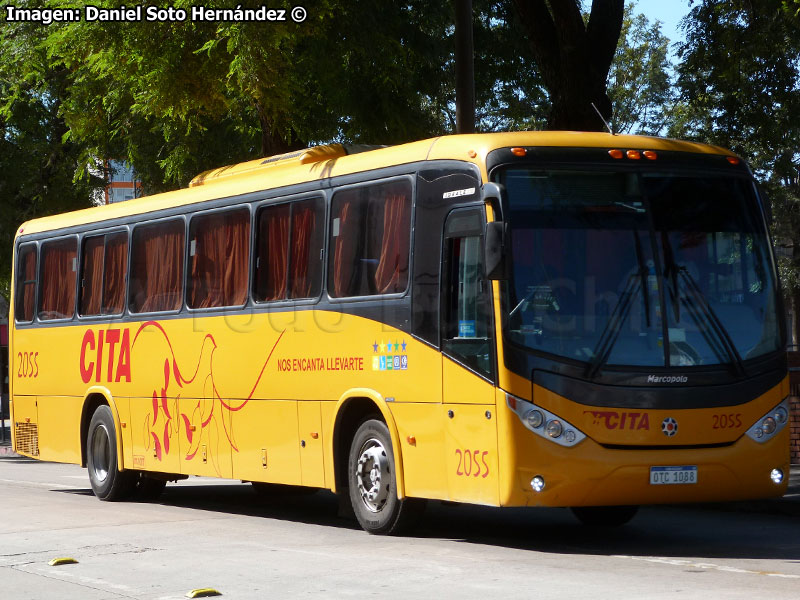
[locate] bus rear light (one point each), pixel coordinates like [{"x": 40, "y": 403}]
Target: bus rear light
[
  {"x": 768, "y": 426},
  {"x": 519, "y": 151},
  {"x": 615, "y": 153},
  {"x": 733, "y": 160},
  {"x": 650, "y": 155},
  {"x": 634, "y": 154},
  {"x": 544, "y": 423}
]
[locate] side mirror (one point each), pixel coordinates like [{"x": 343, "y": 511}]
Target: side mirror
[{"x": 497, "y": 247}]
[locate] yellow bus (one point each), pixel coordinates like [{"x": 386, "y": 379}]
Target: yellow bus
[{"x": 515, "y": 319}]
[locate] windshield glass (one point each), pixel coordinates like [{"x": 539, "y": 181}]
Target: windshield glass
[{"x": 640, "y": 269}]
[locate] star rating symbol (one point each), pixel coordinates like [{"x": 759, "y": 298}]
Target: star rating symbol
[
  {"x": 375, "y": 346},
  {"x": 404, "y": 345}
]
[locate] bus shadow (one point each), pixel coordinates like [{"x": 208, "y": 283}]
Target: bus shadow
[
  {"x": 699, "y": 532},
  {"x": 704, "y": 532}
]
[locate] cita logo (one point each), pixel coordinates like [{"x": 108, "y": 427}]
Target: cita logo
[
  {"x": 667, "y": 379},
  {"x": 619, "y": 420},
  {"x": 109, "y": 348}
]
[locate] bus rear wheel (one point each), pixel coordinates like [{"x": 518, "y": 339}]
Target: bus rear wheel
[
  {"x": 107, "y": 481},
  {"x": 372, "y": 482},
  {"x": 604, "y": 516}
]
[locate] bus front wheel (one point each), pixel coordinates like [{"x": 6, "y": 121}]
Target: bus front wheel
[
  {"x": 108, "y": 482},
  {"x": 372, "y": 482},
  {"x": 604, "y": 516}
]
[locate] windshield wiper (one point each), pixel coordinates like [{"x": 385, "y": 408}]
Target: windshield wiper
[
  {"x": 613, "y": 327},
  {"x": 699, "y": 306}
]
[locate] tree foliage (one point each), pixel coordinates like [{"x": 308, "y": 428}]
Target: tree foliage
[
  {"x": 740, "y": 88},
  {"x": 639, "y": 81}
]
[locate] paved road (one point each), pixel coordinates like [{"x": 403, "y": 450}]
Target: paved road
[{"x": 204, "y": 533}]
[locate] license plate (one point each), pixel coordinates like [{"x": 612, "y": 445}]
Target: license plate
[{"x": 673, "y": 475}]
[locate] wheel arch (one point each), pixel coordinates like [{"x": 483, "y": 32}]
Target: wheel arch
[
  {"x": 352, "y": 408},
  {"x": 98, "y": 396}
]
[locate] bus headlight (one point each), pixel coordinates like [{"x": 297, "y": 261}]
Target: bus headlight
[
  {"x": 534, "y": 419},
  {"x": 768, "y": 426},
  {"x": 544, "y": 423},
  {"x": 555, "y": 429}
]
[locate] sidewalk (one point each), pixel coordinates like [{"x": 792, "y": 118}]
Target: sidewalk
[{"x": 5, "y": 440}]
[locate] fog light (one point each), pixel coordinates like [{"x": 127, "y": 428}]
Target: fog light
[
  {"x": 776, "y": 475},
  {"x": 768, "y": 425},
  {"x": 537, "y": 483},
  {"x": 534, "y": 419},
  {"x": 555, "y": 428},
  {"x": 569, "y": 436}
]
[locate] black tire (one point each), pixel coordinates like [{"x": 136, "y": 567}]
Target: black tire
[
  {"x": 107, "y": 481},
  {"x": 372, "y": 482},
  {"x": 605, "y": 516}
]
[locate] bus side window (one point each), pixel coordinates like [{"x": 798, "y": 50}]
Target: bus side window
[
  {"x": 58, "y": 274},
  {"x": 104, "y": 267},
  {"x": 467, "y": 305},
  {"x": 157, "y": 267},
  {"x": 26, "y": 283},
  {"x": 289, "y": 240},
  {"x": 370, "y": 237}
]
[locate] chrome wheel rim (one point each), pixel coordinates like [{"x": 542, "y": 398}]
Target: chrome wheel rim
[
  {"x": 101, "y": 453},
  {"x": 373, "y": 475}
]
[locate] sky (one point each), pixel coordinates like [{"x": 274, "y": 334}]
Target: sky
[{"x": 669, "y": 12}]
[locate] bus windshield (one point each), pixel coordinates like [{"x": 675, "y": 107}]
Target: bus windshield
[{"x": 648, "y": 269}]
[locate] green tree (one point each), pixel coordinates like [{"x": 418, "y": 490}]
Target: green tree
[
  {"x": 740, "y": 88},
  {"x": 639, "y": 82},
  {"x": 43, "y": 168}
]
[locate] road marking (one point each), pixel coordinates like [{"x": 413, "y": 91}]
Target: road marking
[{"x": 681, "y": 562}]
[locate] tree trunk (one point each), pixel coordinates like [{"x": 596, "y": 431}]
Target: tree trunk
[
  {"x": 465, "y": 68},
  {"x": 573, "y": 57},
  {"x": 272, "y": 142}
]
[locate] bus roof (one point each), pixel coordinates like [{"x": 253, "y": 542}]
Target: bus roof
[{"x": 324, "y": 162}]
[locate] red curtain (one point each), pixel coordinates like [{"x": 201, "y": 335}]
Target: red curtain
[
  {"x": 115, "y": 269},
  {"x": 92, "y": 277},
  {"x": 157, "y": 267},
  {"x": 391, "y": 275},
  {"x": 345, "y": 244},
  {"x": 303, "y": 225},
  {"x": 273, "y": 246},
  {"x": 27, "y": 284},
  {"x": 219, "y": 265},
  {"x": 58, "y": 279}
]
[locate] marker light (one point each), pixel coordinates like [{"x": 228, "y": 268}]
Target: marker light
[
  {"x": 519, "y": 151},
  {"x": 768, "y": 426},
  {"x": 733, "y": 160},
  {"x": 776, "y": 475},
  {"x": 615, "y": 153},
  {"x": 537, "y": 483},
  {"x": 472, "y": 154},
  {"x": 633, "y": 154},
  {"x": 650, "y": 155}
]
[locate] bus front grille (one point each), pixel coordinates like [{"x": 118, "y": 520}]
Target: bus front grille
[{"x": 27, "y": 438}]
